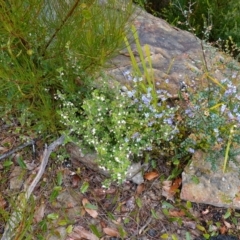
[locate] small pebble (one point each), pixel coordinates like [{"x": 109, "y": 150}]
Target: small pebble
[{"x": 152, "y": 233}]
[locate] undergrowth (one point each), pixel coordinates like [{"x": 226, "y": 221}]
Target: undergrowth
[
  {"x": 47, "y": 47},
  {"x": 48, "y": 85}
]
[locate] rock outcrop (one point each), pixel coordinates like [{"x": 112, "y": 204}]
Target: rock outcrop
[
  {"x": 177, "y": 56},
  {"x": 201, "y": 184}
]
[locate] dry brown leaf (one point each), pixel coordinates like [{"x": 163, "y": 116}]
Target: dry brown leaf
[
  {"x": 103, "y": 224},
  {"x": 176, "y": 213},
  {"x": 3, "y": 149},
  {"x": 118, "y": 221},
  {"x": 75, "y": 180},
  {"x": 92, "y": 212},
  {"x": 151, "y": 175},
  {"x": 190, "y": 224},
  {"x": 223, "y": 229},
  {"x": 170, "y": 188},
  {"x": 39, "y": 213},
  {"x": 176, "y": 184},
  {"x": 3, "y": 203},
  {"x": 80, "y": 233},
  {"x": 140, "y": 189},
  {"x": 166, "y": 190},
  {"x": 111, "y": 232},
  {"x": 227, "y": 224}
]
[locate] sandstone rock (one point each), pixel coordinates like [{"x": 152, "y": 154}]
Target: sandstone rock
[
  {"x": 176, "y": 55},
  {"x": 201, "y": 184}
]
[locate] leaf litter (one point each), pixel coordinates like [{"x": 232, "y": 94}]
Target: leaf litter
[{"x": 150, "y": 210}]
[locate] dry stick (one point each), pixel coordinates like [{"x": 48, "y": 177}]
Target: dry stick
[
  {"x": 16, "y": 216},
  {"x": 18, "y": 148}
]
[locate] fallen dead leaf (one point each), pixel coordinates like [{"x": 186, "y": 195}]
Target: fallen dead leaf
[
  {"x": 39, "y": 213},
  {"x": 75, "y": 180},
  {"x": 103, "y": 224},
  {"x": 223, "y": 229},
  {"x": 189, "y": 224},
  {"x": 92, "y": 212},
  {"x": 3, "y": 203},
  {"x": 151, "y": 175},
  {"x": 3, "y": 149},
  {"x": 140, "y": 189},
  {"x": 80, "y": 233},
  {"x": 102, "y": 192},
  {"x": 111, "y": 232},
  {"x": 170, "y": 188},
  {"x": 176, "y": 184},
  {"x": 166, "y": 190},
  {"x": 227, "y": 224},
  {"x": 176, "y": 213},
  {"x": 118, "y": 221}
]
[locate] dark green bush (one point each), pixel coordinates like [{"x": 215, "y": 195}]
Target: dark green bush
[{"x": 210, "y": 20}]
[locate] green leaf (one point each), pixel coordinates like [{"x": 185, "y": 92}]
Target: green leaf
[
  {"x": 227, "y": 214},
  {"x": 95, "y": 230},
  {"x": 189, "y": 205},
  {"x": 110, "y": 216},
  {"x": 53, "y": 216},
  {"x": 55, "y": 193},
  {"x": 59, "y": 178},
  {"x": 234, "y": 220},
  {"x": 62, "y": 222},
  {"x": 139, "y": 202},
  {"x": 195, "y": 179},
  {"x": 188, "y": 237},
  {"x": 91, "y": 206},
  {"x": 21, "y": 163},
  {"x": 86, "y": 14},
  {"x": 165, "y": 236},
  {"x": 167, "y": 205},
  {"x": 126, "y": 220},
  {"x": 122, "y": 232},
  {"x": 165, "y": 212},
  {"x": 174, "y": 237},
  {"x": 206, "y": 235},
  {"x": 7, "y": 163},
  {"x": 84, "y": 187},
  {"x": 69, "y": 229},
  {"x": 201, "y": 228},
  {"x": 154, "y": 214}
]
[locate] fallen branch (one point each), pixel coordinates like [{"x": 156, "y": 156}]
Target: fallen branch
[
  {"x": 17, "y": 215},
  {"x": 18, "y": 148}
]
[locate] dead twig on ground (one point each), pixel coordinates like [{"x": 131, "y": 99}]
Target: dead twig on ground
[
  {"x": 18, "y": 148},
  {"x": 16, "y": 217}
]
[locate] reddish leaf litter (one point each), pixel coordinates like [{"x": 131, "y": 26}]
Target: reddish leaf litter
[{"x": 70, "y": 203}]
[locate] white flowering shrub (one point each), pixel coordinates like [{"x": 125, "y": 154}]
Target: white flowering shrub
[{"x": 119, "y": 124}]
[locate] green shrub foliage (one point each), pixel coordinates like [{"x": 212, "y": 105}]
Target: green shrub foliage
[
  {"x": 212, "y": 20},
  {"x": 54, "y": 45}
]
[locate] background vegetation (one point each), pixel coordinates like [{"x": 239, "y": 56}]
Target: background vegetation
[{"x": 216, "y": 21}]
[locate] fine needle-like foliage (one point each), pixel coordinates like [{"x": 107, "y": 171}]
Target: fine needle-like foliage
[{"x": 47, "y": 46}]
